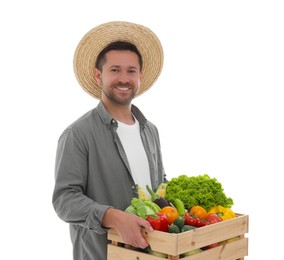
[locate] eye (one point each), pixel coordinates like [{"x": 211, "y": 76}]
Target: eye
[
  {"x": 114, "y": 69},
  {"x": 133, "y": 71}
]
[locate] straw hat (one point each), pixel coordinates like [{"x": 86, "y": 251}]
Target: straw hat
[{"x": 99, "y": 37}]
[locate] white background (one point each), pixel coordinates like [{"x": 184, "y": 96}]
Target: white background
[{"x": 218, "y": 106}]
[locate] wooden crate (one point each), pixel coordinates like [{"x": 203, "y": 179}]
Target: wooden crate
[{"x": 174, "y": 245}]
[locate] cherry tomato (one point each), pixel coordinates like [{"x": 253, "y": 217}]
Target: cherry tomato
[
  {"x": 200, "y": 222},
  {"x": 189, "y": 220}
]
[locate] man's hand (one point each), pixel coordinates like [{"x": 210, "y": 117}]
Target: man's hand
[{"x": 128, "y": 226}]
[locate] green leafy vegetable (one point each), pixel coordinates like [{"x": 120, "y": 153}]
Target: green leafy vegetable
[
  {"x": 137, "y": 203},
  {"x": 130, "y": 209},
  {"x": 142, "y": 210},
  {"x": 199, "y": 190}
]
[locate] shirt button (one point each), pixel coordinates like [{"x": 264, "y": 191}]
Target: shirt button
[{"x": 133, "y": 187}]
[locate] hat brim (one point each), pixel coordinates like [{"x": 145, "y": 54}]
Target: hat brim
[{"x": 99, "y": 37}]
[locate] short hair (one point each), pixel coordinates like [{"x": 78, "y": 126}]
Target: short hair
[{"x": 118, "y": 46}]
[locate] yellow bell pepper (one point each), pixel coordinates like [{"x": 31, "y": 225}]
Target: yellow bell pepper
[{"x": 222, "y": 212}]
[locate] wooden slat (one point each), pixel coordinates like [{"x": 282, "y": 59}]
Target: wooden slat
[
  {"x": 230, "y": 251},
  {"x": 120, "y": 253},
  {"x": 211, "y": 234},
  {"x": 176, "y": 244}
]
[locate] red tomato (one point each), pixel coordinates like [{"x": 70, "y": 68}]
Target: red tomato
[
  {"x": 201, "y": 222},
  {"x": 189, "y": 220},
  {"x": 213, "y": 218}
]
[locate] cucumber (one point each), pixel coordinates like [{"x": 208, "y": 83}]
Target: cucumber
[
  {"x": 173, "y": 228},
  {"x": 187, "y": 228},
  {"x": 179, "y": 205},
  {"x": 179, "y": 221}
]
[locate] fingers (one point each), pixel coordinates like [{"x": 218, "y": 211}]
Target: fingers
[
  {"x": 149, "y": 228},
  {"x": 146, "y": 225},
  {"x": 141, "y": 243},
  {"x": 130, "y": 229}
]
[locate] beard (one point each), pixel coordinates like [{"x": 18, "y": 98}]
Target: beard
[{"x": 120, "y": 98}]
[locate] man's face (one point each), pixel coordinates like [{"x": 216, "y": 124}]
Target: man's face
[{"x": 120, "y": 77}]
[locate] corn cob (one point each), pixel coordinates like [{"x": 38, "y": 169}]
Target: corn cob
[
  {"x": 142, "y": 195},
  {"x": 162, "y": 189}
]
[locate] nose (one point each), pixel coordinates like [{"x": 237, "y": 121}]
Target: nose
[{"x": 123, "y": 77}]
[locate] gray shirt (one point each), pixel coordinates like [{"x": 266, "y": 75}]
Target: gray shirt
[{"x": 92, "y": 174}]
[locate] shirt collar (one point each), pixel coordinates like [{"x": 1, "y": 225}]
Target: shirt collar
[{"x": 109, "y": 120}]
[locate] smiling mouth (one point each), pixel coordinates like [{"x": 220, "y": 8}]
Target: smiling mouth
[{"x": 123, "y": 88}]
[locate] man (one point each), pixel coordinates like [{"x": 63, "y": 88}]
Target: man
[{"x": 103, "y": 154}]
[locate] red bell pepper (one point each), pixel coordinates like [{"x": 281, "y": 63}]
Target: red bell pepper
[
  {"x": 213, "y": 218},
  {"x": 159, "y": 222}
]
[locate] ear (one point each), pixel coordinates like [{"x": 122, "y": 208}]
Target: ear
[
  {"x": 140, "y": 76},
  {"x": 98, "y": 76}
]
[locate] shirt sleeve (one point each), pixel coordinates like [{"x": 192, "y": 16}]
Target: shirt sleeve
[{"x": 71, "y": 172}]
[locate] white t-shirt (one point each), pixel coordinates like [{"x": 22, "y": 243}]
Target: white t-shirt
[{"x": 131, "y": 140}]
